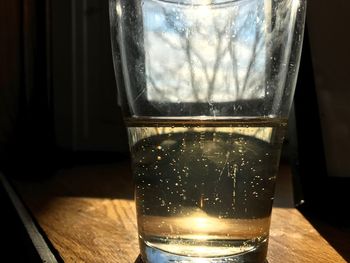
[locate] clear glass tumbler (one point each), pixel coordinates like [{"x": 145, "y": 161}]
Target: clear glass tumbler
[{"x": 206, "y": 87}]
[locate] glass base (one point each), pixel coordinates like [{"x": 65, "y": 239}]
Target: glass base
[{"x": 154, "y": 255}]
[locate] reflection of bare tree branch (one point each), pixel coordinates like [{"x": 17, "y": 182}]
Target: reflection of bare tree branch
[
  {"x": 167, "y": 41},
  {"x": 203, "y": 64},
  {"x": 218, "y": 58},
  {"x": 232, "y": 51},
  {"x": 252, "y": 60},
  {"x": 210, "y": 74},
  {"x": 155, "y": 86},
  {"x": 188, "y": 48},
  {"x": 185, "y": 45}
]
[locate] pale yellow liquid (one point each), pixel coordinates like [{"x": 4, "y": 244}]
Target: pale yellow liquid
[{"x": 204, "y": 188}]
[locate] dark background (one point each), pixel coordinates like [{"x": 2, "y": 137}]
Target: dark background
[{"x": 58, "y": 101}]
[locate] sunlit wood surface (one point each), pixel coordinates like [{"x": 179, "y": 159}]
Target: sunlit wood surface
[{"x": 88, "y": 215}]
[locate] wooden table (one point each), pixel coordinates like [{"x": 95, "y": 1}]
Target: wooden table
[{"x": 88, "y": 215}]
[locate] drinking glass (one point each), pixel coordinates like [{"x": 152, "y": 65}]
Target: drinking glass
[{"x": 205, "y": 87}]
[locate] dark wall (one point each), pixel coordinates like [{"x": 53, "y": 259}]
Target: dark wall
[
  {"x": 86, "y": 114},
  {"x": 330, "y": 40},
  {"x": 10, "y": 69},
  {"x": 57, "y": 87}
]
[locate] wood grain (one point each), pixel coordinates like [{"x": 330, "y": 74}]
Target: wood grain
[
  {"x": 294, "y": 240},
  {"x": 89, "y": 216}
]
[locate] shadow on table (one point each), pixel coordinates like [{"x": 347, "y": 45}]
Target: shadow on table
[
  {"x": 111, "y": 180},
  {"x": 138, "y": 259},
  {"x": 108, "y": 176}
]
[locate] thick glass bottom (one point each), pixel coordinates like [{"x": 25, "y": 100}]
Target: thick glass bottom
[{"x": 152, "y": 252}]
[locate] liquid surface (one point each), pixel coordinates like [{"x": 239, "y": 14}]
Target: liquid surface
[{"x": 204, "y": 188}]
